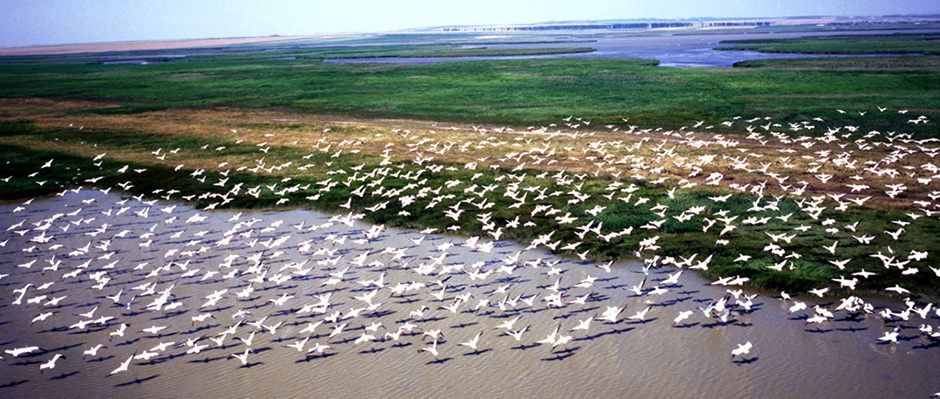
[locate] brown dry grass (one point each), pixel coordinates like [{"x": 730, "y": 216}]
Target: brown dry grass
[{"x": 603, "y": 152}]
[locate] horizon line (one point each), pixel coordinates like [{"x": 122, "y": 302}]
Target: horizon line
[{"x": 426, "y": 29}]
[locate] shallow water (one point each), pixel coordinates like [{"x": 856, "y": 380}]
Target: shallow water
[
  {"x": 694, "y": 50},
  {"x": 652, "y": 358}
]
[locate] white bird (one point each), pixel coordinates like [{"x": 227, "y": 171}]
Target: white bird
[
  {"x": 364, "y": 338},
  {"x": 472, "y": 343},
  {"x": 317, "y": 348},
  {"x": 550, "y": 338},
  {"x": 299, "y": 345},
  {"x": 146, "y": 355},
  {"x": 119, "y": 332},
  {"x": 430, "y": 349},
  {"x": 897, "y": 288},
  {"x": 683, "y": 315},
  {"x": 311, "y": 327},
  {"x": 517, "y": 335},
  {"x": 610, "y": 315},
  {"x": 272, "y": 329},
  {"x": 508, "y": 323},
  {"x": 561, "y": 340},
  {"x": 337, "y": 331},
  {"x": 742, "y": 349},
  {"x": 583, "y": 324},
  {"x": 797, "y": 306},
  {"x": 673, "y": 279},
  {"x": 243, "y": 357},
  {"x": 820, "y": 292},
  {"x": 248, "y": 341},
  {"x": 41, "y": 317},
  {"x": 841, "y": 263},
  {"x": 19, "y": 351},
  {"x": 864, "y": 274},
  {"x": 89, "y": 314},
  {"x": 435, "y": 334},
  {"x": 154, "y": 329},
  {"x": 891, "y": 335},
  {"x": 51, "y": 363},
  {"x": 641, "y": 315},
  {"x": 93, "y": 351}
]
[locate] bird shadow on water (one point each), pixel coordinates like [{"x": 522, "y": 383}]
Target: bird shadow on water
[
  {"x": 746, "y": 361},
  {"x": 852, "y": 329},
  {"x": 12, "y": 384},
  {"x": 564, "y": 316},
  {"x": 440, "y": 361},
  {"x": 718, "y": 324},
  {"x": 208, "y": 359},
  {"x": 308, "y": 359},
  {"x": 64, "y": 375},
  {"x": 931, "y": 344},
  {"x": 100, "y": 359},
  {"x": 137, "y": 381},
  {"x": 56, "y": 329},
  {"x": 261, "y": 349},
  {"x": 64, "y": 347},
  {"x": 169, "y": 315},
  {"x": 250, "y": 365},
  {"x": 478, "y": 352},
  {"x": 561, "y": 355},
  {"x": 200, "y": 328},
  {"x": 611, "y": 332},
  {"x": 465, "y": 325}
]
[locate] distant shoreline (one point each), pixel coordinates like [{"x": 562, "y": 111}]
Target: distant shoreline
[{"x": 136, "y": 46}]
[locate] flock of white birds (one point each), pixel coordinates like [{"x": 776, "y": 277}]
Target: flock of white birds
[{"x": 309, "y": 290}]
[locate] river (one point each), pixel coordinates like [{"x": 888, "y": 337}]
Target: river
[{"x": 191, "y": 254}]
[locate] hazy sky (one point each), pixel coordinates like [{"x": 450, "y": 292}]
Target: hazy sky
[{"x": 34, "y": 22}]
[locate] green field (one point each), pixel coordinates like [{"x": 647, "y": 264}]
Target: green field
[
  {"x": 925, "y": 44},
  {"x": 512, "y": 92}
]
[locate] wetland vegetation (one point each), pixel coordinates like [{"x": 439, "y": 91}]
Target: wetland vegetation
[
  {"x": 218, "y": 113},
  {"x": 906, "y": 43}
]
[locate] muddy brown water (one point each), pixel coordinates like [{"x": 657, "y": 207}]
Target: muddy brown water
[{"x": 650, "y": 358}]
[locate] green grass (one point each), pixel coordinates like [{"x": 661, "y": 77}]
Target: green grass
[
  {"x": 512, "y": 92},
  {"x": 861, "y": 64},
  {"x": 926, "y": 44}
]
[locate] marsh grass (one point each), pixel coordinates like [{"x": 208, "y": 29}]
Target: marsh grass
[
  {"x": 910, "y": 43},
  {"x": 677, "y": 239},
  {"x": 512, "y": 92}
]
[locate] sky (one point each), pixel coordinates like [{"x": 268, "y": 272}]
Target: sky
[{"x": 44, "y": 22}]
